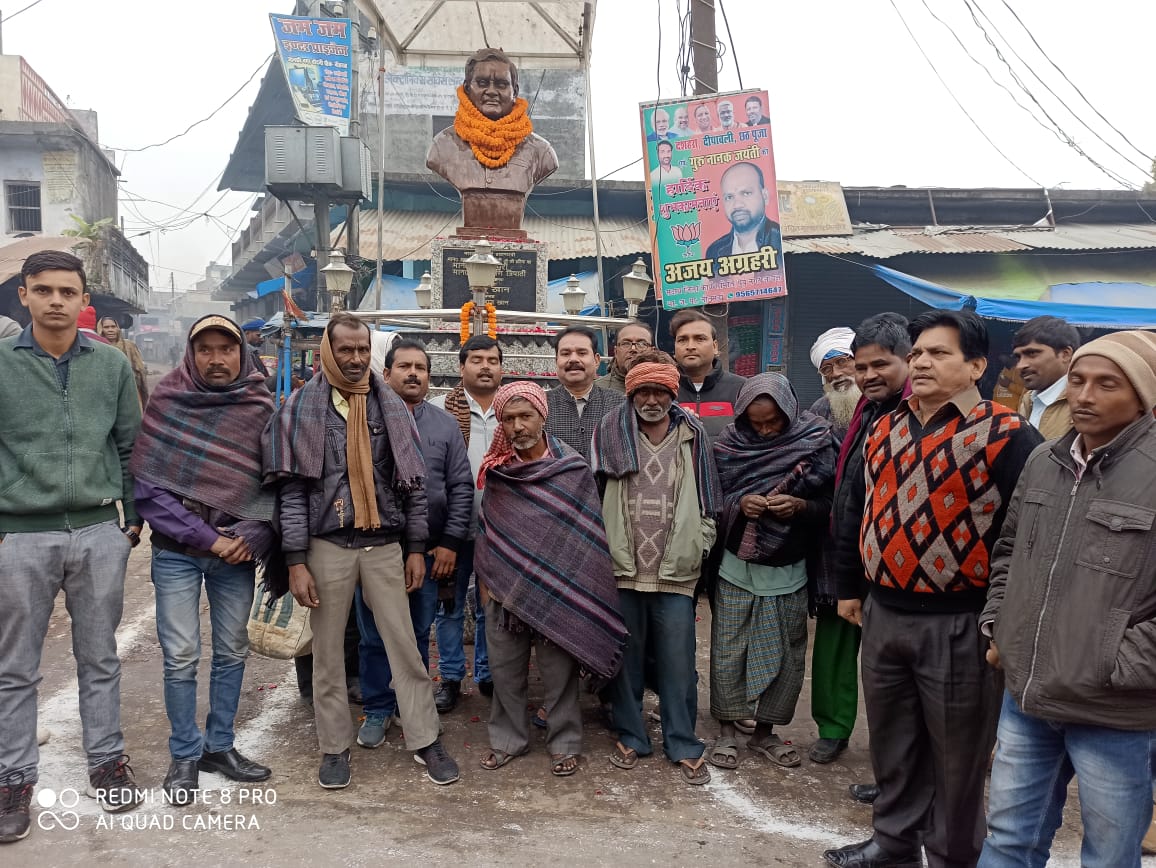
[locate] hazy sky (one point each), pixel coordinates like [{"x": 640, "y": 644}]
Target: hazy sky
[{"x": 851, "y": 98}]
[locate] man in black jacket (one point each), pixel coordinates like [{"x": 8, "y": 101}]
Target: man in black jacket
[
  {"x": 449, "y": 487},
  {"x": 348, "y": 456},
  {"x": 880, "y": 347},
  {"x": 576, "y": 404},
  {"x": 705, "y": 388}
]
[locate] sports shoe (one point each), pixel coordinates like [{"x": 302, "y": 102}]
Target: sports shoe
[
  {"x": 439, "y": 765},
  {"x": 113, "y": 786},
  {"x": 334, "y": 773},
  {"x": 446, "y": 696},
  {"x": 15, "y": 802},
  {"x": 373, "y": 730}
]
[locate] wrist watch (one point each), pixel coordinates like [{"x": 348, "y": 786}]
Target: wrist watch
[{"x": 132, "y": 535}]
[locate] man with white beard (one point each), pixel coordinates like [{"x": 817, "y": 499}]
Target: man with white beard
[{"x": 832, "y": 357}]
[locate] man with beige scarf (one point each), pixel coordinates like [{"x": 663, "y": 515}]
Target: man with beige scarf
[{"x": 353, "y": 511}]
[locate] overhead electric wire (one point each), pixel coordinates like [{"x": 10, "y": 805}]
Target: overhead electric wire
[
  {"x": 951, "y": 93},
  {"x": 1064, "y": 75},
  {"x": 1067, "y": 138},
  {"x": 208, "y": 117},
  {"x": 18, "y": 11},
  {"x": 722, "y": 8}
]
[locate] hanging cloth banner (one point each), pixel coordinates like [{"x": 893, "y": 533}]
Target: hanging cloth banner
[
  {"x": 714, "y": 212},
  {"x": 316, "y": 54}
]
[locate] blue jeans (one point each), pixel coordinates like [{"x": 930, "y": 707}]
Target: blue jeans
[
  {"x": 452, "y": 665},
  {"x": 1034, "y": 763},
  {"x": 177, "y": 579},
  {"x": 377, "y": 694},
  {"x": 661, "y": 626}
]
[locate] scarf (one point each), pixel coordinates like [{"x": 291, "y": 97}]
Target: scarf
[
  {"x": 853, "y": 431},
  {"x": 493, "y": 142},
  {"x": 203, "y": 442},
  {"x": 799, "y": 462},
  {"x": 614, "y": 452},
  {"x": 458, "y": 406},
  {"x": 501, "y": 450},
  {"x": 542, "y": 553},
  {"x": 295, "y": 437},
  {"x": 651, "y": 374}
]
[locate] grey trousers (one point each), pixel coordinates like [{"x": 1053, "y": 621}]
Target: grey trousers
[
  {"x": 932, "y": 705},
  {"x": 380, "y": 571},
  {"x": 89, "y": 565},
  {"x": 509, "y": 669}
]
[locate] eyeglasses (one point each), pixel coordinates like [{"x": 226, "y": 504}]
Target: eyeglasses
[
  {"x": 836, "y": 365},
  {"x": 634, "y": 345},
  {"x": 497, "y": 83}
]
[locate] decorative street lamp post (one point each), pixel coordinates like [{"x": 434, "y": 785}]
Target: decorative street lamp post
[
  {"x": 338, "y": 278},
  {"x": 424, "y": 292},
  {"x": 573, "y": 296},
  {"x": 635, "y": 286},
  {"x": 481, "y": 271}
]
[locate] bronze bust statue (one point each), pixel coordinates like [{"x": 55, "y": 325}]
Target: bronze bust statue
[{"x": 491, "y": 153}]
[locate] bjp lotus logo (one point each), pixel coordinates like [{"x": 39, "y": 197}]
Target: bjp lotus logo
[{"x": 686, "y": 234}]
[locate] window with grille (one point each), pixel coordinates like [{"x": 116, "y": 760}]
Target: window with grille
[{"x": 23, "y": 206}]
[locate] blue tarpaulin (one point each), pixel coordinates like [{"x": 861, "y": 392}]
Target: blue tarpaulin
[
  {"x": 301, "y": 280},
  {"x": 1015, "y": 310}
]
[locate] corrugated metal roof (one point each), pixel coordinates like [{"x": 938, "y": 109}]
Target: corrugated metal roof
[
  {"x": 883, "y": 243},
  {"x": 408, "y": 234}
]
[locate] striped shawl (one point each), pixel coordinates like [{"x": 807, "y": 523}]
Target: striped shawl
[{"x": 542, "y": 554}]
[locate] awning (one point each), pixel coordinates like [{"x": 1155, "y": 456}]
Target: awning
[
  {"x": 408, "y": 234},
  {"x": 534, "y": 33},
  {"x": 12, "y": 255},
  {"x": 1015, "y": 310}
]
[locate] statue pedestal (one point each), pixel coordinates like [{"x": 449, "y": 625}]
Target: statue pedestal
[
  {"x": 491, "y": 234},
  {"x": 521, "y": 281}
]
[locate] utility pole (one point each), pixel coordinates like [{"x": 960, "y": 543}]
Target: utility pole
[{"x": 704, "y": 53}]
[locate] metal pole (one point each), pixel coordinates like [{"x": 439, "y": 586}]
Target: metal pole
[
  {"x": 321, "y": 224},
  {"x": 380, "y": 159},
  {"x": 594, "y": 190}
]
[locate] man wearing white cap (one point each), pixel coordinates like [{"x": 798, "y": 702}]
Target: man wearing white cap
[
  {"x": 1071, "y": 616},
  {"x": 832, "y": 357}
]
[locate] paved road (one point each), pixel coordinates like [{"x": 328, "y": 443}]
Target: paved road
[{"x": 519, "y": 815}]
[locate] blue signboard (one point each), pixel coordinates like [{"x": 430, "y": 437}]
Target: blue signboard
[{"x": 317, "y": 55}]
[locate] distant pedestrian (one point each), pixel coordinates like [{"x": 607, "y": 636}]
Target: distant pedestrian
[
  {"x": 110, "y": 329},
  {"x": 255, "y": 342},
  {"x": 197, "y": 464},
  {"x": 70, "y": 414}
]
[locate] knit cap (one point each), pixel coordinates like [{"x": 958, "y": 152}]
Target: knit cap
[{"x": 1134, "y": 352}]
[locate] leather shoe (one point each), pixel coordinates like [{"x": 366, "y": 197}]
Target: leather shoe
[
  {"x": 871, "y": 855},
  {"x": 486, "y": 688},
  {"x": 864, "y": 793},
  {"x": 446, "y": 696},
  {"x": 182, "y": 781},
  {"x": 234, "y": 766}
]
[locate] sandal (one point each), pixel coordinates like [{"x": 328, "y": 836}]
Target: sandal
[
  {"x": 777, "y": 751},
  {"x": 563, "y": 764},
  {"x": 496, "y": 759},
  {"x": 724, "y": 754},
  {"x": 624, "y": 757},
  {"x": 746, "y": 727},
  {"x": 695, "y": 775}
]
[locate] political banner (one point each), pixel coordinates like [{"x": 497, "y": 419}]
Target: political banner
[
  {"x": 714, "y": 212},
  {"x": 316, "y": 54}
]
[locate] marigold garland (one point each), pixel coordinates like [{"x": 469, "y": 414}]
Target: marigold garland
[
  {"x": 491, "y": 320},
  {"x": 493, "y": 142}
]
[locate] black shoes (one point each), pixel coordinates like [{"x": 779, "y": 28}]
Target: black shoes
[
  {"x": 235, "y": 767},
  {"x": 439, "y": 765},
  {"x": 871, "y": 855},
  {"x": 827, "y": 750},
  {"x": 334, "y": 773},
  {"x": 865, "y": 793},
  {"x": 113, "y": 786},
  {"x": 447, "y": 695},
  {"x": 182, "y": 781},
  {"x": 486, "y": 688},
  {"x": 15, "y": 806}
]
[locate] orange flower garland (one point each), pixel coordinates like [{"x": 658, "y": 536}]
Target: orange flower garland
[
  {"x": 493, "y": 142},
  {"x": 491, "y": 320}
]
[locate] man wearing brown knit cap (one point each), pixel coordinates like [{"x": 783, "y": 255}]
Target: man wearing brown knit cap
[{"x": 1071, "y": 615}]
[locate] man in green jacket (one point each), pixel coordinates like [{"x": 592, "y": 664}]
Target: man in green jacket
[
  {"x": 1071, "y": 615},
  {"x": 68, "y": 417}
]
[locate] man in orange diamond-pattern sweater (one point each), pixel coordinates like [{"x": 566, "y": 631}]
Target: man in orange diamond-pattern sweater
[{"x": 940, "y": 472}]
